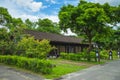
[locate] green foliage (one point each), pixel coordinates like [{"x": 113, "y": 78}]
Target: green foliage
[
  {"x": 3, "y": 46},
  {"x": 104, "y": 54},
  {"x": 46, "y": 25},
  {"x": 30, "y": 25},
  {"x": 114, "y": 54},
  {"x": 43, "y": 25},
  {"x": 3, "y": 38},
  {"x": 35, "y": 65},
  {"x": 87, "y": 19},
  {"x": 114, "y": 40},
  {"x": 3, "y": 34},
  {"x": 84, "y": 54},
  {"x": 77, "y": 57},
  {"x": 5, "y": 17},
  {"x": 7, "y": 21},
  {"x": 92, "y": 55},
  {"x": 71, "y": 56},
  {"x": 6, "y": 45},
  {"x": 64, "y": 67},
  {"x": 34, "y": 48}
]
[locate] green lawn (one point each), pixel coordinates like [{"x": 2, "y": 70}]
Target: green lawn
[{"x": 63, "y": 67}]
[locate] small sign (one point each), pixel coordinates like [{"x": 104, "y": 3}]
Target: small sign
[
  {"x": 118, "y": 54},
  {"x": 110, "y": 55}
]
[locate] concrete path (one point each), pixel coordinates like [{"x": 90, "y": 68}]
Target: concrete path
[
  {"x": 8, "y": 73},
  {"x": 109, "y": 71}
]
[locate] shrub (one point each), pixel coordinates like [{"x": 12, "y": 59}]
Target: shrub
[
  {"x": 33, "y": 64},
  {"x": 77, "y": 56},
  {"x": 114, "y": 54},
  {"x": 71, "y": 56},
  {"x": 84, "y": 53},
  {"x": 104, "y": 54},
  {"x": 92, "y": 54},
  {"x": 34, "y": 48},
  {"x": 7, "y": 47}
]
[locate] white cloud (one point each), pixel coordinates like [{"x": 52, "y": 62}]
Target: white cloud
[
  {"x": 52, "y": 1},
  {"x": 15, "y": 11},
  {"x": 73, "y": 2},
  {"x": 31, "y": 17},
  {"x": 43, "y": 7},
  {"x": 2, "y": 26},
  {"x": 111, "y": 2},
  {"x": 11, "y": 7},
  {"x": 68, "y": 33},
  {"x": 35, "y": 18},
  {"x": 54, "y": 18},
  {"x": 29, "y": 4}
]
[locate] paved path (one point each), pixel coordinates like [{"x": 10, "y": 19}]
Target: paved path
[
  {"x": 109, "y": 71},
  {"x": 8, "y": 73}
]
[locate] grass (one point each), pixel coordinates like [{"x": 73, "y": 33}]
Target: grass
[{"x": 63, "y": 67}]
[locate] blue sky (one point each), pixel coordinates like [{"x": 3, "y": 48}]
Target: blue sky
[{"x": 35, "y": 9}]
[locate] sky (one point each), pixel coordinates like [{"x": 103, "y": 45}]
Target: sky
[{"x": 35, "y": 9}]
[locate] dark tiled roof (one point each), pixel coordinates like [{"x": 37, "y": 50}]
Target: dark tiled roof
[{"x": 53, "y": 37}]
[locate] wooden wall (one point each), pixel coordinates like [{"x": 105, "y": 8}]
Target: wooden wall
[{"x": 68, "y": 48}]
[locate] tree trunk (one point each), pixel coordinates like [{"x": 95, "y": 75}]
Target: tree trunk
[{"x": 89, "y": 50}]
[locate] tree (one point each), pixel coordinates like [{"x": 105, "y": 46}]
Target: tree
[
  {"x": 5, "y": 43},
  {"x": 16, "y": 24},
  {"x": 11, "y": 33},
  {"x": 5, "y": 17},
  {"x": 8, "y": 41},
  {"x": 116, "y": 14},
  {"x": 87, "y": 19},
  {"x": 46, "y": 25},
  {"x": 30, "y": 25},
  {"x": 112, "y": 41}
]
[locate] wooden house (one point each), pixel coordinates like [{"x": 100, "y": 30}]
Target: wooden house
[{"x": 65, "y": 44}]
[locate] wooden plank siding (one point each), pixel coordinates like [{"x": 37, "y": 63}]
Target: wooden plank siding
[{"x": 67, "y": 48}]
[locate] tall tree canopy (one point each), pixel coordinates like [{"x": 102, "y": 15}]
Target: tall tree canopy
[
  {"x": 6, "y": 20},
  {"x": 5, "y": 17},
  {"x": 46, "y": 25},
  {"x": 10, "y": 33},
  {"x": 30, "y": 25},
  {"x": 87, "y": 19}
]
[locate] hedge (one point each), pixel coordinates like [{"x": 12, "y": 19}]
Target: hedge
[
  {"x": 104, "y": 54},
  {"x": 77, "y": 57},
  {"x": 33, "y": 64},
  {"x": 71, "y": 56}
]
